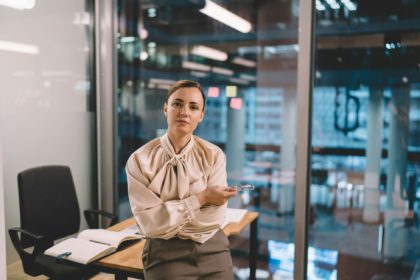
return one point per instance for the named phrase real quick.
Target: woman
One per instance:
(178, 193)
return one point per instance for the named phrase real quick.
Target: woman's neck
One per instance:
(178, 142)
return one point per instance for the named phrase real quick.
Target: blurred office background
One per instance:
(363, 205)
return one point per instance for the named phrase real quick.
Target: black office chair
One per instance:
(49, 210)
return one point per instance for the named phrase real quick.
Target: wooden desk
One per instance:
(126, 262)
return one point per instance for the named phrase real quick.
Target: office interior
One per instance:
(83, 83)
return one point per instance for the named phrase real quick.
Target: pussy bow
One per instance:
(174, 178)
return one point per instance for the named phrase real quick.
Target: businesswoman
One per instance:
(178, 193)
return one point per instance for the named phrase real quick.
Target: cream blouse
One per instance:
(162, 187)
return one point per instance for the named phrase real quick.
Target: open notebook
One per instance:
(233, 215)
(89, 245)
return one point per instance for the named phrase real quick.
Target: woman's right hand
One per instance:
(216, 195)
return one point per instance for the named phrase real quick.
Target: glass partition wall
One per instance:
(364, 164)
(244, 54)
(365, 140)
(47, 98)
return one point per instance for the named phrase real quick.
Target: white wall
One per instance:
(2, 225)
(44, 114)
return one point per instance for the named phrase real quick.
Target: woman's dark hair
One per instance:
(186, 84)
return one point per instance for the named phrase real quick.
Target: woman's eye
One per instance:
(176, 104)
(194, 108)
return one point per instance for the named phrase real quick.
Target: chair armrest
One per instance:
(39, 242)
(92, 217)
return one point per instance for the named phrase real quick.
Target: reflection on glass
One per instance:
(365, 137)
(249, 77)
(322, 263)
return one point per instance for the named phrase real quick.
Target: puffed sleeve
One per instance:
(212, 215)
(156, 219)
(217, 175)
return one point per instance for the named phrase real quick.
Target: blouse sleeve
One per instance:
(217, 175)
(156, 219)
(213, 214)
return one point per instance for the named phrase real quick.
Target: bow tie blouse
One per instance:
(162, 187)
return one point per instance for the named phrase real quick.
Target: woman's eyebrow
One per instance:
(191, 102)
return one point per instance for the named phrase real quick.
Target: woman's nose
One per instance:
(184, 110)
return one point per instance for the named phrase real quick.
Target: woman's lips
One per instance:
(182, 121)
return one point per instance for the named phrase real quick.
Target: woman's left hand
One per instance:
(216, 195)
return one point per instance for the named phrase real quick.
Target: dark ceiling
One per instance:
(346, 40)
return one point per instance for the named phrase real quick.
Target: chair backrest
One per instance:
(48, 202)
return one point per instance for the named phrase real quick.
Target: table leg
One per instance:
(120, 276)
(253, 250)
(257, 197)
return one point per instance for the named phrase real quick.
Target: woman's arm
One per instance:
(156, 219)
(216, 192)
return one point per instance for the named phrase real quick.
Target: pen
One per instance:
(63, 255)
(103, 243)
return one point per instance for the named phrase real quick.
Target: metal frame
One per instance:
(303, 153)
(106, 85)
(3, 257)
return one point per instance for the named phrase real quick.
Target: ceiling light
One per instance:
(18, 4)
(162, 81)
(18, 47)
(239, 81)
(198, 74)
(81, 18)
(209, 53)
(195, 66)
(222, 71)
(282, 49)
(57, 73)
(226, 17)
(127, 39)
(250, 49)
(144, 55)
(248, 77)
(165, 87)
(319, 6)
(244, 62)
(23, 74)
(151, 12)
(349, 5)
(333, 4)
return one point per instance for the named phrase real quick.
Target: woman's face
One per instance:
(184, 110)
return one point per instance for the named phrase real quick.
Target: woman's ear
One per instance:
(165, 109)
(202, 115)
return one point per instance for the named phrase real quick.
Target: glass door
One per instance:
(47, 99)
(365, 141)
(244, 54)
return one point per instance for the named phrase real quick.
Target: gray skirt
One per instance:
(188, 260)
